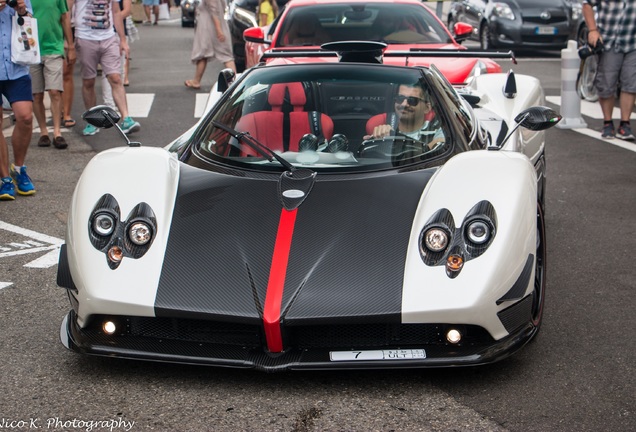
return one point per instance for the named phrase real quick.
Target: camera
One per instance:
(12, 3)
(586, 50)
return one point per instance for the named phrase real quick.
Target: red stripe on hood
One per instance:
(276, 282)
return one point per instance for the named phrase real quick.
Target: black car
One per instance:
(543, 24)
(188, 9)
(241, 16)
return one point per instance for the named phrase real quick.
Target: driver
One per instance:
(415, 118)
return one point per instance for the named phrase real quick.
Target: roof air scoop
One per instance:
(510, 88)
(357, 51)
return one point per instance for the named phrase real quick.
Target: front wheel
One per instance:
(485, 37)
(585, 81)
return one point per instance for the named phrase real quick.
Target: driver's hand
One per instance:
(379, 132)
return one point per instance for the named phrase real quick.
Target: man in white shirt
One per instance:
(97, 43)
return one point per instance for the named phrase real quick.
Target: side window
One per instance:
(454, 103)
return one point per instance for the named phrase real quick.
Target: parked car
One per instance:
(277, 235)
(528, 24)
(402, 24)
(241, 16)
(188, 12)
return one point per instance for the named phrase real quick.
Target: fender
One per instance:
(489, 88)
(508, 181)
(131, 175)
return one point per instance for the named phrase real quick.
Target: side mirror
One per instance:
(536, 118)
(462, 31)
(226, 78)
(104, 117)
(254, 34)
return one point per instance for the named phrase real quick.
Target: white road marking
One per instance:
(593, 110)
(139, 104)
(34, 245)
(5, 284)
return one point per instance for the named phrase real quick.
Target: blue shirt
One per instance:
(8, 69)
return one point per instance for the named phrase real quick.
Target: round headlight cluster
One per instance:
(139, 233)
(478, 232)
(104, 224)
(436, 239)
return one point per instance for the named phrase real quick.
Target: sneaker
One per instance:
(90, 130)
(129, 125)
(22, 181)
(625, 132)
(608, 131)
(7, 189)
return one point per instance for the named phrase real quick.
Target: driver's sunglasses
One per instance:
(411, 100)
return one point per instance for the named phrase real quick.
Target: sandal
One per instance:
(192, 85)
(67, 123)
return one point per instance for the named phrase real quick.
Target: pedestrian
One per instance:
(54, 28)
(211, 40)
(67, 75)
(15, 85)
(107, 91)
(151, 5)
(97, 43)
(267, 11)
(615, 28)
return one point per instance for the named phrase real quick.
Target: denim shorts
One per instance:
(17, 90)
(150, 2)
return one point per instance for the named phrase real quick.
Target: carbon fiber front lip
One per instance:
(239, 357)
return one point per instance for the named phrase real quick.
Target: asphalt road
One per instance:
(578, 375)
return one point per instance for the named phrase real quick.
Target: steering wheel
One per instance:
(395, 146)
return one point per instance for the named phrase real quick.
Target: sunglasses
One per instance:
(411, 100)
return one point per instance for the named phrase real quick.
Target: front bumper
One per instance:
(528, 35)
(240, 346)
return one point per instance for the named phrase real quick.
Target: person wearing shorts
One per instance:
(148, 6)
(96, 43)
(615, 28)
(15, 86)
(54, 26)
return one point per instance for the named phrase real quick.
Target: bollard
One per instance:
(570, 99)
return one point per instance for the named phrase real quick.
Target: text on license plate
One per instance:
(408, 354)
(545, 30)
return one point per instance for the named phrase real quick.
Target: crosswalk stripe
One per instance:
(589, 109)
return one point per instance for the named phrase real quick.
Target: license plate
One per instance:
(545, 30)
(414, 354)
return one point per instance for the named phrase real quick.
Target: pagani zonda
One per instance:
(274, 236)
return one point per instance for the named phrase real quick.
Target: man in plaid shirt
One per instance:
(615, 27)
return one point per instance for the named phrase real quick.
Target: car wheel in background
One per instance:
(484, 37)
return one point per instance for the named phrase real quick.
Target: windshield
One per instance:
(392, 23)
(329, 117)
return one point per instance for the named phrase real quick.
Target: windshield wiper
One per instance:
(252, 142)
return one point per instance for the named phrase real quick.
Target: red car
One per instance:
(401, 24)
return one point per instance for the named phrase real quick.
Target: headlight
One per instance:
(478, 232)
(577, 11)
(436, 239)
(502, 10)
(139, 233)
(103, 224)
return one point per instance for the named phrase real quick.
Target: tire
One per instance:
(484, 37)
(538, 295)
(585, 81)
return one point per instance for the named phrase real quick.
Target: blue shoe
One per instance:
(22, 181)
(129, 125)
(7, 189)
(90, 130)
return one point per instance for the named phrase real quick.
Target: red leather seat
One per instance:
(269, 127)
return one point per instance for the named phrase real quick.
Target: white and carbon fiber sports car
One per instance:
(279, 234)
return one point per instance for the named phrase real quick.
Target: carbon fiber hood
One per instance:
(346, 260)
